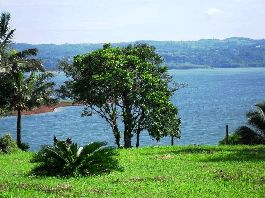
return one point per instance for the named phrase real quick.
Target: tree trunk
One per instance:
(226, 135)
(127, 119)
(18, 127)
(127, 136)
(172, 140)
(137, 139)
(117, 135)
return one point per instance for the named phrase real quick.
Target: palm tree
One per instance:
(20, 91)
(24, 85)
(254, 133)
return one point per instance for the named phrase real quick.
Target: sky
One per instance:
(99, 21)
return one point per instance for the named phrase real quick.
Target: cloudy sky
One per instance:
(93, 21)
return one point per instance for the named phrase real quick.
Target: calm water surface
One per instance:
(212, 99)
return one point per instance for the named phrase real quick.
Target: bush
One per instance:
(244, 135)
(232, 139)
(7, 144)
(24, 146)
(66, 159)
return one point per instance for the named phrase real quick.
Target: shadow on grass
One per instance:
(238, 155)
(221, 153)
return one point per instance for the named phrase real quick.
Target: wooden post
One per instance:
(226, 135)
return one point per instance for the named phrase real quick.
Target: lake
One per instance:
(212, 99)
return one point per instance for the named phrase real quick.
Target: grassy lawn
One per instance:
(181, 171)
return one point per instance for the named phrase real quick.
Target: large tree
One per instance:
(127, 83)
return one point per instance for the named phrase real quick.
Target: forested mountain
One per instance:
(231, 52)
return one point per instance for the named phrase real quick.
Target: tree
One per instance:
(255, 132)
(127, 83)
(24, 85)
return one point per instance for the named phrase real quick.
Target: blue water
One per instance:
(212, 99)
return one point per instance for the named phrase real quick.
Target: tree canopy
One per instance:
(128, 84)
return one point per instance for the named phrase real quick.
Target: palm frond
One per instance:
(90, 148)
(257, 118)
(6, 34)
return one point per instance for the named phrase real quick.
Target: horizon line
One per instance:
(135, 41)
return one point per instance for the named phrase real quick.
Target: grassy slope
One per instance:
(194, 171)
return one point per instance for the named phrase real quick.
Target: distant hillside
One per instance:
(231, 52)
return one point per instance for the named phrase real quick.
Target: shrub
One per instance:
(66, 159)
(255, 133)
(244, 135)
(232, 139)
(24, 146)
(7, 144)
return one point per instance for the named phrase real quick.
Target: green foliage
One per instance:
(20, 91)
(233, 139)
(255, 134)
(257, 119)
(6, 34)
(175, 171)
(129, 84)
(24, 146)
(24, 92)
(7, 144)
(66, 159)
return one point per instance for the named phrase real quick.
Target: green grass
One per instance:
(181, 171)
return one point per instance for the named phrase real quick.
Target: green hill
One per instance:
(178, 171)
(231, 52)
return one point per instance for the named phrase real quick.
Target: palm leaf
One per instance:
(257, 118)
(5, 33)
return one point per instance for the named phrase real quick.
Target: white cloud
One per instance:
(214, 11)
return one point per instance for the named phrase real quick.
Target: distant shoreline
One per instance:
(45, 108)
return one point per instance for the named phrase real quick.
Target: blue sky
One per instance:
(93, 21)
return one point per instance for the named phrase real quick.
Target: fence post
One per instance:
(226, 135)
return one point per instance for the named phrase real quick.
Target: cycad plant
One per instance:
(66, 159)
